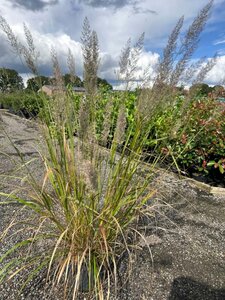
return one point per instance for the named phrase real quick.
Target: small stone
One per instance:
(150, 240)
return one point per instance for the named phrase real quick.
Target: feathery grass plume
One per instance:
(120, 125)
(28, 52)
(90, 50)
(83, 119)
(150, 99)
(173, 66)
(170, 71)
(56, 69)
(59, 98)
(192, 70)
(71, 65)
(190, 43)
(169, 55)
(107, 123)
(13, 40)
(205, 68)
(128, 61)
(95, 59)
(124, 57)
(152, 102)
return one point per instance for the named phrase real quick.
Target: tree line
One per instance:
(11, 81)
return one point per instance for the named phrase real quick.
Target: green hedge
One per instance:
(191, 133)
(23, 103)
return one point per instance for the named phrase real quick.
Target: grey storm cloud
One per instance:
(118, 4)
(107, 3)
(140, 10)
(33, 4)
(107, 61)
(8, 58)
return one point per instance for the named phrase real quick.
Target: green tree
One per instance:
(73, 80)
(10, 80)
(104, 84)
(200, 90)
(35, 83)
(218, 91)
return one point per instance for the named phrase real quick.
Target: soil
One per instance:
(185, 235)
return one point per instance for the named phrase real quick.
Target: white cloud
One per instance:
(43, 43)
(25, 77)
(113, 27)
(60, 26)
(61, 42)
(219, 42)
(147, 63)
(217, 74)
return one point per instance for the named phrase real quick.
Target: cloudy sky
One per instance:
(58, 24)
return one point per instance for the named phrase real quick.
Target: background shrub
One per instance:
(26, 104)
(193, 134)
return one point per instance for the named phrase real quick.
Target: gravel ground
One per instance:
(186, 235)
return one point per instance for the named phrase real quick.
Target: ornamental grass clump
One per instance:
(89, 197)
(87, 201)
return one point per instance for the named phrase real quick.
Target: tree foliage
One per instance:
(10, 80)
(199, 90)
(218, 91)
(73, 80)
(104, 84)
(35, 83)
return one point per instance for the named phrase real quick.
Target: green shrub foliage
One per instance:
(26, 104)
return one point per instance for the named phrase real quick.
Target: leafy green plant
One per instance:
(27, 104)
(220, 164)
(199, 143)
